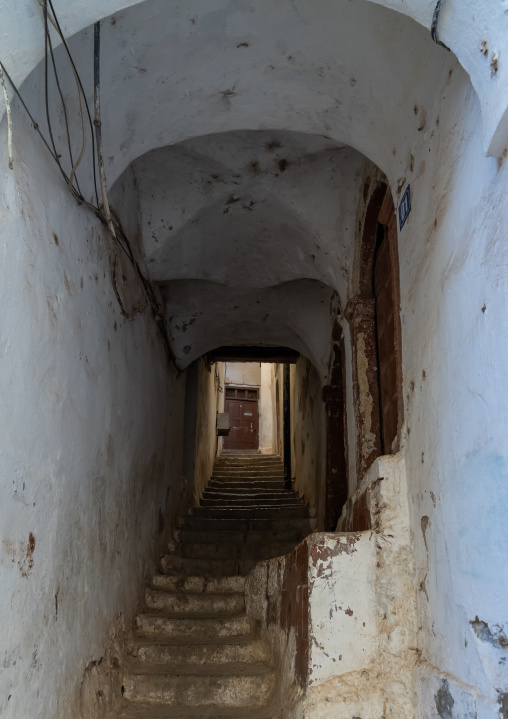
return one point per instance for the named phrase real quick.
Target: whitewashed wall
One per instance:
(246, 374)
(209, 401)
(308, 435)
(90, 450)
(453, 262)
(63, 390)
(267, 410)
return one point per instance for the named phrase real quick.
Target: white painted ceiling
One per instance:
(250, 129)
(251, 236)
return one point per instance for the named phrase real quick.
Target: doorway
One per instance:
(383, 282)
(242, 405)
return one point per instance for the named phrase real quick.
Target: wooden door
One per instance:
(385, 336)
(242, 405)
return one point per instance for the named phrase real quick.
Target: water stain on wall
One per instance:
(26, 562)
(444, 701)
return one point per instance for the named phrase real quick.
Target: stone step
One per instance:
(264, 512)
(194, 653)
(252, 466)
(195, 536)
(232, 524)
(194, 584)
(276, 466)
(198, 629)
(268, 484)
(187, 603)
(196, 550)
(271, 480)
(201, 690)
(257, 551)
(231, 501)
(172, 563)
(254, 458)
(253, 462)
(267, 469)
(254, 651)
(265, 473)
(145, 711)
(214, 492)
(246, 483)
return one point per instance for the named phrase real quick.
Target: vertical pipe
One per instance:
(287, 426)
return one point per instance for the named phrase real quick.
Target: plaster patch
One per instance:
(495, 636)
(366, 400)
(444, 701)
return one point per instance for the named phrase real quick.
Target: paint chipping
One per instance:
(503, 704)
(444, 701)
(495, 636)
(425, 522)
(26, 562)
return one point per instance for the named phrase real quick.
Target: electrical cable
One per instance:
(32, 119)
(9, 119)
(46, 94)
(105, 215)
(76, 74)
(435, 23)
(74, 165)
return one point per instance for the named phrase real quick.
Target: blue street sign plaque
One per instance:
(405, 207)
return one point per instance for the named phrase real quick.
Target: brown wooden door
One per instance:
(242, 405)
(385, 335)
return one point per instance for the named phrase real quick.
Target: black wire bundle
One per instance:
(72, 182)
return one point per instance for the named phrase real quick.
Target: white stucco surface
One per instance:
(454, 300)
(462, 27)
(91, 409)
(360, 658)
(90, 450)
(268, 441)
(308, 431)
(244, 374)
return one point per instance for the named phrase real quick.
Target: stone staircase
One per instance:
(194, 653)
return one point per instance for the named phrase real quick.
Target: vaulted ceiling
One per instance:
(250, 234)
(250, 130)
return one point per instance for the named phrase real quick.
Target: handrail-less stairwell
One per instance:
(194, 652)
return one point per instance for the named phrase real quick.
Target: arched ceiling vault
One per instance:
(476, 32)
(251, 235)
(250, 129)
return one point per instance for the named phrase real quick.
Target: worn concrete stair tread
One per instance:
(244, 525)
(210, 584)
(172, 642)
(253, 473)
(229, 670)
(242, 550)
(179, 603)
(241, 486)
(191, 627)
(199, 689)
(225, 500)
(258, 512)
(249, 492)
(147, 711)
(193, 652)
(247, 486)
(249, 468)
(195, 536)
(247, 557)
(223, 651)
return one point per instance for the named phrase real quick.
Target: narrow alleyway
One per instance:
(194, 652)
(316, 185)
